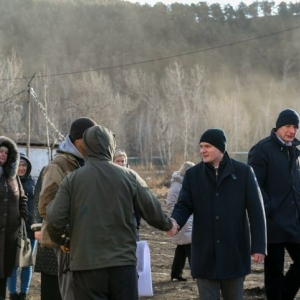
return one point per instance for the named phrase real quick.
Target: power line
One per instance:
(165, 57)
(6, 100)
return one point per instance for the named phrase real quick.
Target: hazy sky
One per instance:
(234, 3)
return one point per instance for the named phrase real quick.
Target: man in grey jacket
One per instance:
(97, 201)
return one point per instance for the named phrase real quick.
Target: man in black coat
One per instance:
(275, 161)
(225, 199)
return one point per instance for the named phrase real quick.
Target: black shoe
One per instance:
(14, 296)
(179, 278)
(23, 296)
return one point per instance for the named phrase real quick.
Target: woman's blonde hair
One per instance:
(119, 152)
(185, 166)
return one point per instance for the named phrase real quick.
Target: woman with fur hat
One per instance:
(13, 207)
(28, 184)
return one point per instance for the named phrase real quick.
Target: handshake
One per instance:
(174, 230)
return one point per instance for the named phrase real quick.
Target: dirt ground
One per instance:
(162, 251)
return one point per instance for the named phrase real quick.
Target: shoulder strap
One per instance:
(37, 218)
(23, 230)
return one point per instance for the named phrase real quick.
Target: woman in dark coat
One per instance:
(28, 183)
(13, 207)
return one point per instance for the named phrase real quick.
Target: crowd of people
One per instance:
(83, 214)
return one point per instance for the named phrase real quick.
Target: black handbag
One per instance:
(24, 253)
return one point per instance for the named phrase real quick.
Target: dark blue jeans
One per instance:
(280, 286)
(25, 276)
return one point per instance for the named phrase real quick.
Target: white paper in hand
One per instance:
(144, 269)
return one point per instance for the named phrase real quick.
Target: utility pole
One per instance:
(28, 116)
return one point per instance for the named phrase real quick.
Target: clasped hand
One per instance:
(174, 230)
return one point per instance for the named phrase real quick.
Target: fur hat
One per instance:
(10, 167)
(288, 117)
(215, 137)
(79, 126)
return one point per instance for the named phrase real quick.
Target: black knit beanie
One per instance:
(79, 126)
(287, 117)
(215, 137)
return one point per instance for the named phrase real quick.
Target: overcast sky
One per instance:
(234, 3)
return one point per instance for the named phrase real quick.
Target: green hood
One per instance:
(99, 142)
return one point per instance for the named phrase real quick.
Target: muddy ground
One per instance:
(162, 251)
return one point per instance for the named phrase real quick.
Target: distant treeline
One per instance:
(66, 36)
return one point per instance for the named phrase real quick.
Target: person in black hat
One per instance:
(69, 157)
(224, 197)
(275, 160)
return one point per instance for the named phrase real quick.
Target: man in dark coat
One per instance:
(275, 161)
(225, 199)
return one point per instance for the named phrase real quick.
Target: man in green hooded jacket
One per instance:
(97, 201)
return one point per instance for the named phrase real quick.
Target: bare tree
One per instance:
(142, 88)
(184, 93)
(12, 94)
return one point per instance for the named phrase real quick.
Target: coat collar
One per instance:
(226, 168)
(274, 137)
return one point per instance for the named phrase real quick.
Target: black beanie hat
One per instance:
(79, 126)
(215, 137)
(287, 117)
